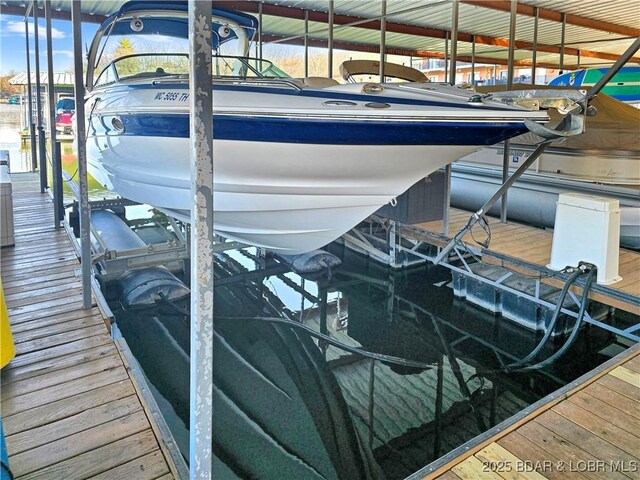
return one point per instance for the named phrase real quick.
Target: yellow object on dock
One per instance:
(7, 349)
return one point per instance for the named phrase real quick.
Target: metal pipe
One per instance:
(473, 61)
(32, 127)
(446, 54)
(562, 38)
(454, 41)
(491, 202)
(383, 38)
(447, 199)
(57, 168)
(202, 238)
(260, 30)
(505, 155)
(512, 43)
(306, 43)
(83, 183)
(534, 57)
(330, 41)
(42, 147)
(57, 164)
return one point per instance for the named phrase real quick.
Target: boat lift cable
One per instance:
(574, 332)
(552, 324)
(550, 136)
(331, 341)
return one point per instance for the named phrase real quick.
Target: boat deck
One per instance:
(70, 408)
(589, 432)
(528, 250)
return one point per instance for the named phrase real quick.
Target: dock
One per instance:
(71, 407)
(526, 249)
(589, 430)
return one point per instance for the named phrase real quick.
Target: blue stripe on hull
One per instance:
(320, 132)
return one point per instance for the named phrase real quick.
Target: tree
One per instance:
(123, 48)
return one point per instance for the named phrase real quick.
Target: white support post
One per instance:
(202, 237)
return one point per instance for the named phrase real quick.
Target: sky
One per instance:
(13, 45)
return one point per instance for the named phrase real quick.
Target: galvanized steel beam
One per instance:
(32, 127)
(454, 41)
(330, 41)
(306, 43)
(202, 237)
(42, 148)
(55, 157)
(534, 57)
(83, 182)
(383, 38)
(507, 143)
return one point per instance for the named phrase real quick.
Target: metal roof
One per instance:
(61, 79)
(586, 30)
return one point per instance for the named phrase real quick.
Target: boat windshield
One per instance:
(152, 65)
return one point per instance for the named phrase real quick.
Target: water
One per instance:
(20, 157)
(287, 405)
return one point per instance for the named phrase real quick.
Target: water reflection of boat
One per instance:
(300, 403)
(278, 411)
(296, 166)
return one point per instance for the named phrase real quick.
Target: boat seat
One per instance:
(318, 82)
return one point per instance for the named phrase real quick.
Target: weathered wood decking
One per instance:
(515, 245)
(69, 406)
(591, 433)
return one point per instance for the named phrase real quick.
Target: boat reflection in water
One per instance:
(289, 405)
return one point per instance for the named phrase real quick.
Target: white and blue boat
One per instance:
(296, 166)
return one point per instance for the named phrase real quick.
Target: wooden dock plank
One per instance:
(57, 410)
(148, 467)
(92, 417)
(533, 245)
(627, 375)
(76, 444)
(600, 428)
(588, 431)
(613, 398)
(472, 469)
(70, 409)
(496, 454)
(606, 412)
(100, 460)
(57, 363)
(59, 351)
(537, 456)
(33, 384)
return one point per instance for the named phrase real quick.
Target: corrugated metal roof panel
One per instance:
(473, 19)
(59, 78)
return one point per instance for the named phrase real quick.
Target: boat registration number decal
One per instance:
(172, 96)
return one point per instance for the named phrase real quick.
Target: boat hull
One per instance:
(286, 197)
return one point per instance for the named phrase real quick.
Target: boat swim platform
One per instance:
(527, 250)
(587, 430)
(72, 406)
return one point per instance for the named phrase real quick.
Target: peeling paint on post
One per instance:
(81, 137)
(201, 124)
